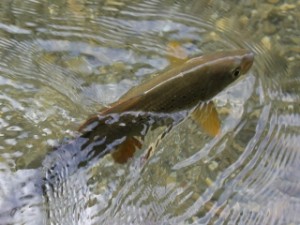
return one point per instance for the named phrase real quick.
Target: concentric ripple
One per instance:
(61, 61)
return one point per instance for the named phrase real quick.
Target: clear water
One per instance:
(61, 61)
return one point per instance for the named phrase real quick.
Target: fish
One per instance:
(184, 89)
(189, 86)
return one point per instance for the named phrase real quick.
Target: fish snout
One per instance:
(247, 62)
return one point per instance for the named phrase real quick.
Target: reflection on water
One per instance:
(70, 163)
(64, 60)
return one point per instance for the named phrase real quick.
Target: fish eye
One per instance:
(236, 72)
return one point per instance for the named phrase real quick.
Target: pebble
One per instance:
(213, 165)
(244, 21)
(266, 42)
(285, 7)
(269, 28)
(273, 1)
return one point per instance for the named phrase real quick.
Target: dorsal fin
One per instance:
(176, 53)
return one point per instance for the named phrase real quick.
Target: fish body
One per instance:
(180, 88)
(119, 128)
(183, 87)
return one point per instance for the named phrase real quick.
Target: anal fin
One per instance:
(126, 150)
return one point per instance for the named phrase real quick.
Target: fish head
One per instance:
(231, 65)
(242, 61)
(224, 68)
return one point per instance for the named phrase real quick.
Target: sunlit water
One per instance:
(61, 61)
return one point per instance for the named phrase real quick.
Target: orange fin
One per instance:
(176, 53)
(126, 150)
(207, 117)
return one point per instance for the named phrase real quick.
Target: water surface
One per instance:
(61, 61)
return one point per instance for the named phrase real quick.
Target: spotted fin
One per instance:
(126, 150)
(207, 117)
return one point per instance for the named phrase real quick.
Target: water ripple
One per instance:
(63, 60)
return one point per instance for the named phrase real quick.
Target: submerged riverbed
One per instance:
(62, 61)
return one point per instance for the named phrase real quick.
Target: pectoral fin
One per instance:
(126, 150)
(207, 117)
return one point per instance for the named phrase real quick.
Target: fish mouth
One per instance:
(247, 62)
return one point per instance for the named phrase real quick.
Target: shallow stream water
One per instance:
(61, 61)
